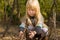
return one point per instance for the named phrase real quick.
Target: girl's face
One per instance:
(31, 12)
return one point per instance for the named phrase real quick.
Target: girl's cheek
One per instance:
(33, 12)
(28, 12)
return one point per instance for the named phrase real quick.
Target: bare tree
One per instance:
(17, 4)
(4, 11)
(53, 11)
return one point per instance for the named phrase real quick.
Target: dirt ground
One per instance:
(13, 33)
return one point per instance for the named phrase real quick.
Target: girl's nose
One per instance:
(30, 11)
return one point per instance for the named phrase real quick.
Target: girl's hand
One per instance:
(32, 34)
(21, 33)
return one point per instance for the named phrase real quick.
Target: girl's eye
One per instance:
(32, 9)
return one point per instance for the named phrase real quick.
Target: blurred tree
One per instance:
(15, 8)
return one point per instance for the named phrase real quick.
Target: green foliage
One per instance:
(15, 19)
(22, 7)
(8, 10)
(45, 7)
(1, 15)
(45, 14)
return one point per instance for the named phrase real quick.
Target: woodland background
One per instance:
(11, 12)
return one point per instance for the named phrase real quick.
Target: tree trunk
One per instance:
(13, 6)
(17, 4)
(4, 11)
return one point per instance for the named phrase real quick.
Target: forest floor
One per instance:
(13, 32)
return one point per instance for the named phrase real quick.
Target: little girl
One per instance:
(34, 21)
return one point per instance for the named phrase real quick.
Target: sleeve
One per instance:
(22, 26)
(38, 28)
(39, 25)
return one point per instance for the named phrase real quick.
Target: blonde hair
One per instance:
(34, 4)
